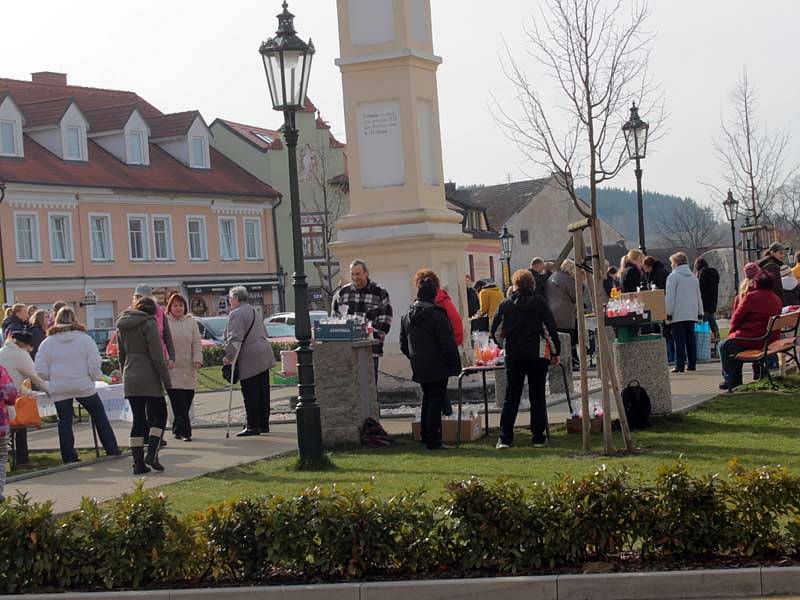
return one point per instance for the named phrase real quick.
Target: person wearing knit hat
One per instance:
(772, 263)
(426, 338)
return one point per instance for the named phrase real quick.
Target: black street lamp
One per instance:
(287, 64)
(635, 131)
(2, 259)
(731, 206)
(505, 240)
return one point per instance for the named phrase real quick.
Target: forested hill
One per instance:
(618, 207)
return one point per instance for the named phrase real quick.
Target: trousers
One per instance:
(685, 345)
(433, 399)
(143, 406)
(517, 369)
(66, 438)
(181, 401)
(4, 441)
(255, 391)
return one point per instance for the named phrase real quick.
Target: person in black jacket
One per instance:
(525, 320)
(772, 263)
(16, 319)
(473, 304)
(709, 292)
(426, 338)
(632, 277)
(655, 273)
(610, 282)
(540, 274)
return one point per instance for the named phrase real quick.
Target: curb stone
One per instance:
(663, 585)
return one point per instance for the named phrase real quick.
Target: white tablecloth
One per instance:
(117, 407)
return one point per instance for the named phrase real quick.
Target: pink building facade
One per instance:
(127, 195)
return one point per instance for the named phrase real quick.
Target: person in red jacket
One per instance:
(751, 315)
(444, 301)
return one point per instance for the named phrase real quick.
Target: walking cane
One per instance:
(230, 394)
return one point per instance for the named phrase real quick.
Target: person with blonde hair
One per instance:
(632, 271)
(16, 320)
(69, 361)
(684, 309)
(526, 321)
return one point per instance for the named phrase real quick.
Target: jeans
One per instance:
(685, 348)
(149, 418)
(21, 445)
(433, 397)
(181, 401)
(517, 369)
(255, 391)
(731, 368)
(66, 439)
(711, 319)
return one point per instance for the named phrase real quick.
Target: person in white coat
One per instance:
(15, 357)
(188, 359)
(684, 309)
(68, 359)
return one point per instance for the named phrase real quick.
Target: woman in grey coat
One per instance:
(684, 309)
(144, 375)
(560, 294)
(246, 334)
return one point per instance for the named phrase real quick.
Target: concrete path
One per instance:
(210, 451)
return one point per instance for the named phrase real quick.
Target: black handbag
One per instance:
(226, 369)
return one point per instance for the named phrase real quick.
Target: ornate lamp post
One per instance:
(731, 206)
(505, 240)
(2, 260)
(635, 131)
(287, 64)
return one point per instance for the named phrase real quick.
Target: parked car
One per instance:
(288, 317)
(212, 329)
(280, 333)
(101, 337)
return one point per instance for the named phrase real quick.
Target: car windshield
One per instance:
(216, 325)
(279, 330)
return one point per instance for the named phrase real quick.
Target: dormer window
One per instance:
(8, 138)
(73, 143)
(198, 153)
(136, 148)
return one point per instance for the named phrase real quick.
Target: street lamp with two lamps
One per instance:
(731, 206)
(635, 131)
(506, 240)
(287, 64)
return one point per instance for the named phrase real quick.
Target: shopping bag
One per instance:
(27, 413)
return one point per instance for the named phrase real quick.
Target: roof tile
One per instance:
(172, 125)
(109, 118)
(45, 112)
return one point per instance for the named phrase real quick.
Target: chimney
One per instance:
(49, 78)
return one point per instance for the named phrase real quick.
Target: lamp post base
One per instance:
(309, 438)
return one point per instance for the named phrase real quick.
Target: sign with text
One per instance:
(380, 141)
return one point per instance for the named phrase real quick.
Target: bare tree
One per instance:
(329, 201)
(786, 210)
(690, 226)
(752, 158)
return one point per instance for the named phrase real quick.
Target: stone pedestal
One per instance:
(345, 383)
(646, 361)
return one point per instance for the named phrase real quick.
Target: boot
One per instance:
(139, 468)
(153, 445)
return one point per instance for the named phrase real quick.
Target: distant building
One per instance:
(105, 191)
(321, 164)
(482, 260)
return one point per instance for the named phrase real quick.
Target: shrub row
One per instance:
(335, 535)
(212, 355)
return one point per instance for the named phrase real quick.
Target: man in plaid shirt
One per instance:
(366, 299)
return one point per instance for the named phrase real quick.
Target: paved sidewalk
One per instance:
(210, 451)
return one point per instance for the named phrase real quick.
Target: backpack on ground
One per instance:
(637, 405)
(373, 435)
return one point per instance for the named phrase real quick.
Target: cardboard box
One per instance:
(575, 425)
(654, 302)
(471, 429)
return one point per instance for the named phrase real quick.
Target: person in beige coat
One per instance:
(188, 359)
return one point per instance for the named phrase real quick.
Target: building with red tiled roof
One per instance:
(322, 167)
(104, 191)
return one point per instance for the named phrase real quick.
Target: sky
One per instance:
(203, 55)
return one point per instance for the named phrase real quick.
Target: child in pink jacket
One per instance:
(8, 397)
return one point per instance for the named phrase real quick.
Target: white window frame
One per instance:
(203, 151)
(70, 249)
(110, 237)
(236, 254)
(35, 238)
(203, 238)
(131, 159)
(14, 141)
(67, 131)
(145, 238)
(259, 245)
(170, 246)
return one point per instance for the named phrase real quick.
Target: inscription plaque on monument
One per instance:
(380, 141)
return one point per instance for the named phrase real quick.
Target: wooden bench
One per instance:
(785, 346)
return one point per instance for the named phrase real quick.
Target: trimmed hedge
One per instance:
(337, 535)
(213, 355)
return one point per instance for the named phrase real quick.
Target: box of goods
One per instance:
(575, 425)
(340, 332)
(471, 429)
(654, 303)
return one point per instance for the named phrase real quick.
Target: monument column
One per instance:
(398, 220)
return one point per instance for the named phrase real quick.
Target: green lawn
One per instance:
(210, 379)
(46, 460)
(756, 428)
